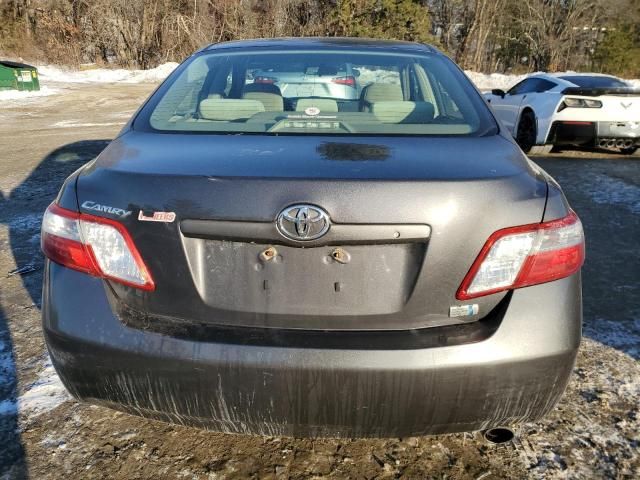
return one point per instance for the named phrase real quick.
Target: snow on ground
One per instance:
(611, 191)
(43, 395)
(622, 336)
(50, 73)
(7, 376)
(368, 76)
(6, 95)
(79, 124)
(635, 83)
(487, 81)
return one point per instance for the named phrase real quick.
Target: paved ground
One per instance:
(593, 433)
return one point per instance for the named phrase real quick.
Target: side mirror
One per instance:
(356, 72)
(498, 92)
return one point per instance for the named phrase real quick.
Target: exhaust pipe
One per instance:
(603, 143)
(628, 143)
(620, 143)
(498, 435)
(611, 143)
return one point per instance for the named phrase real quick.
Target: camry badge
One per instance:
(625, 105)
(303, 222)
(96, 207)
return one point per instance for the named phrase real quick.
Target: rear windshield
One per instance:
(311, 92)
(585, 81)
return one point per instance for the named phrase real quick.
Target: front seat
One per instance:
(379, 92)
(267, 93)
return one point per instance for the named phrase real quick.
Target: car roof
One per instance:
(321, 43)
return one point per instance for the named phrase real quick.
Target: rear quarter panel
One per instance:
(544, 106)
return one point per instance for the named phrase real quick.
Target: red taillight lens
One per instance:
(526, 255)
(68, 253)
(349, 81)
(93, 245)
(262, 79)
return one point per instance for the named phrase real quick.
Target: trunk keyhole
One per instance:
(341, 256)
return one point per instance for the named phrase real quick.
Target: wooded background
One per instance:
(482, 35)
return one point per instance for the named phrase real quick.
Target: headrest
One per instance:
(229, 109)
(262, 87)
(403, 112)
(325, 105)
(271, 101)
(382, 92)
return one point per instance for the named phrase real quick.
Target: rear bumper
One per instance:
(516, 375)
(595, 134)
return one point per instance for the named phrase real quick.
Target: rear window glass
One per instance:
(586, 81)
(311, 92)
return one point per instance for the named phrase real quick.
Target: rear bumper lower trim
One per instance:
(592, 134)
(299, 401)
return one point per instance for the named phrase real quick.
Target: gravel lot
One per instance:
(593, 433)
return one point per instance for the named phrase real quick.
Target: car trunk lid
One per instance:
(408, 215)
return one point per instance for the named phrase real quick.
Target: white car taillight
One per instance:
(93, 245)
(526, 255)
(569, 102)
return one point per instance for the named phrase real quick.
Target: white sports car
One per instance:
(570, 110)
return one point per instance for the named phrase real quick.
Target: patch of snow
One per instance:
(378, 75)
(6, 368)
(16, 95)
(8, 407)
(621, 335)
(50, 441)
(55, 74)
(488, 81)
(611, 191)
(43, 395)
(29, 222)
(78, 123)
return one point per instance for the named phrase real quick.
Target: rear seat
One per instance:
(379, 92)
(269, 95)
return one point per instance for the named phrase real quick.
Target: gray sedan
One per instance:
(389, 264)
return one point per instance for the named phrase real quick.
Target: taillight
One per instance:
(349, 81)
(94, 245)
(526, 255)
(263, 79)
(569, 102)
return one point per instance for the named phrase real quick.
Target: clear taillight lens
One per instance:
(526, 255)
(93, 245)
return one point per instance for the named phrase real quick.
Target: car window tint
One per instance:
(319, 92)
(543, 85)
(528, 85)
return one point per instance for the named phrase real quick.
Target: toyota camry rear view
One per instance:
(385, 262)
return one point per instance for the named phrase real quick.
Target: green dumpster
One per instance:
(18, 76)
